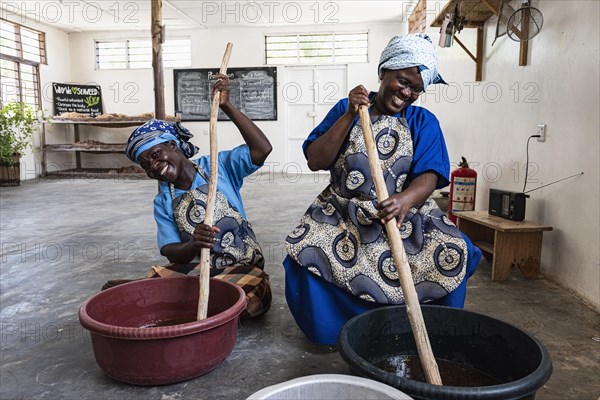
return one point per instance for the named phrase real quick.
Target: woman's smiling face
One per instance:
(162, 162)
(398, 89)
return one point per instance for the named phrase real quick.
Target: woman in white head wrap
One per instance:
(339, 261)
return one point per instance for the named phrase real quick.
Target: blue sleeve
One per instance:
(165, 220)
(430, 152)
(332, 116)
(237, 164)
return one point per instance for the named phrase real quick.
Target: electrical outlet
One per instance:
(541, 130)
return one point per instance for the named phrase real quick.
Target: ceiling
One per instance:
(103, 15)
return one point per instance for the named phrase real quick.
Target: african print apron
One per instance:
(341, 239)
(236, 255)
(235, 244)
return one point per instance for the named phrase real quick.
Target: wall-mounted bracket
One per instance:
(476, 12)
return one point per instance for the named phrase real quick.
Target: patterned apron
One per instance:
(235, 244)
(236, 255)
(341, 239)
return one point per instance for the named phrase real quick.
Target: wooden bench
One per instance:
(510, 243)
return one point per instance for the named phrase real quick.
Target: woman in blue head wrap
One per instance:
(163, 150)
(339, 262)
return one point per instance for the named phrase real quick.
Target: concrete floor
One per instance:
(61, 240)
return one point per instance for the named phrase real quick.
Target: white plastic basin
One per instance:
(329, 386)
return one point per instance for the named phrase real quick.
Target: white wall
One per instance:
(57, 70)
(490, 127)
(207, 51)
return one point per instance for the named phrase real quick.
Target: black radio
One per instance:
(509, 205)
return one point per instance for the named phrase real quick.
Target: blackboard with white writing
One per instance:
(253, 91)
(82, 99)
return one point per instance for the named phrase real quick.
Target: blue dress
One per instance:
(339, 261)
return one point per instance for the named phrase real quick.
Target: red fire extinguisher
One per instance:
(463, 183)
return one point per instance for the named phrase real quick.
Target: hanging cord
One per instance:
(527, 162)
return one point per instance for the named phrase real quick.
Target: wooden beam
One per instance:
(478, 58)
(157, 64)
(76, 139)
(523, 53)
(479, 61)
(465, 48)
(472, 24)
(525, 33)
(491, 6)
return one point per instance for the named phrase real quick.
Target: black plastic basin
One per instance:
(509, 355)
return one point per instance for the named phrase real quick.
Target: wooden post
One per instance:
(76, 139)
(43, 150)
(478, 57)
(479, 61)
(413, 308)
(524, 45)
(157, 64)
(204, 278)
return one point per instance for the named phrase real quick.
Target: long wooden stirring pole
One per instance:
(411, 300)
(212, 192)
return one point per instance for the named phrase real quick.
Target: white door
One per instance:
(308, 93)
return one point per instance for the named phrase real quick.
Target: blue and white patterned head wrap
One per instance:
(156, 132)
(412, 51)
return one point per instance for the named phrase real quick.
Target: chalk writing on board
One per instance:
(252, 91)
(82, 99)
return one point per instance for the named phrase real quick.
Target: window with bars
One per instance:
(137, 53)
(325, 48)
(22, 50)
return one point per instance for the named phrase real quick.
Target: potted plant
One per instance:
(17, 123)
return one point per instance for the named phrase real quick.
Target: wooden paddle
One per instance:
(212, 192)
(399, 255)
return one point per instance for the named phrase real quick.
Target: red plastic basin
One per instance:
(161, 355)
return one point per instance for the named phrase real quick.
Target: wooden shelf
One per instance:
(483, 218)
(96, 173)
(79, 146)
(95, 148)
(100, 123)
(509, 243)
(476, 11)
(485, 246)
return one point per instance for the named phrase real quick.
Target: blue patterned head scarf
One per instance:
(156, 132)
(412, 51)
